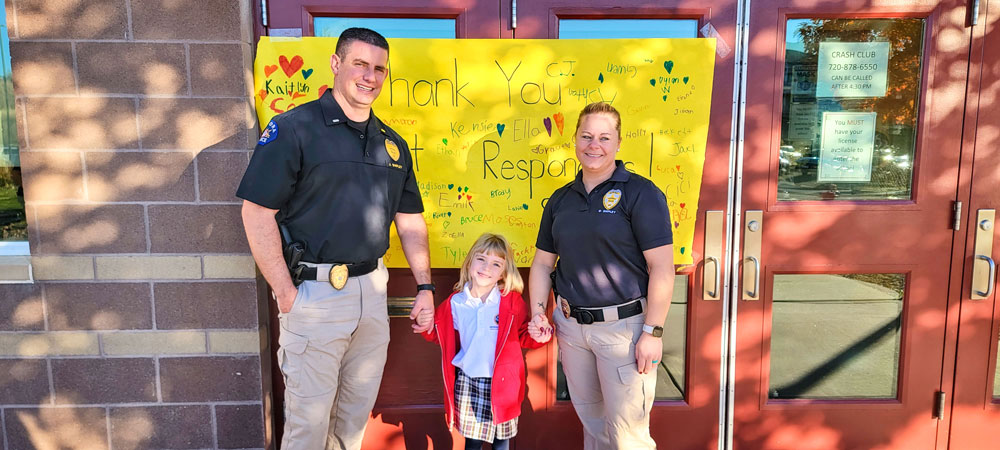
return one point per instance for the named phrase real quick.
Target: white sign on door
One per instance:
(847, 146)
(803, 119)
(852, 69)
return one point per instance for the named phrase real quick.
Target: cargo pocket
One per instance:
(291, 348)
(637, 389)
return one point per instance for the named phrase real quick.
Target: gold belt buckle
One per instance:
(338, 276)
(564, 305)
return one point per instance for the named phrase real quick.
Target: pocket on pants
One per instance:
(639, 390)
(291, 347)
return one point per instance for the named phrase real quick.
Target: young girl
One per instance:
(481, 329)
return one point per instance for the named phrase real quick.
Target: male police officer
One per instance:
(336, 177)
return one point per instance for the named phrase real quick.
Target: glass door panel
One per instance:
(627, 28)
(836, 336)
(849, 108)
(388, 27)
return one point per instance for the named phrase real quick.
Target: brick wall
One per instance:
(141, 328)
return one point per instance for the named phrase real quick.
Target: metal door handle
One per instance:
(756, 275)
(992, 277)
(753, 231)
(983, 247)
(714, 237)
(715, 291)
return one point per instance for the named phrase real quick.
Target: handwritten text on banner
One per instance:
(490, 123)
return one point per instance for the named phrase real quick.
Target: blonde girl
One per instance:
(481, 329)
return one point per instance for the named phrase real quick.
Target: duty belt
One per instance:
(588, 316)
(336, 274)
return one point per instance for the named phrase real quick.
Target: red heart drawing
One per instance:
(290, 67)
(268, 70)
(262, 93)
(682, 205)
(678, 168)
(468, 197)
(322, 89)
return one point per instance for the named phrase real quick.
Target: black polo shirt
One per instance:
(600, 237)
(337, 186)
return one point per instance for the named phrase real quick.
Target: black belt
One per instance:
(353, 270)
(588, 316)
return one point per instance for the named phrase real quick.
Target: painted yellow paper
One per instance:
(490, 123)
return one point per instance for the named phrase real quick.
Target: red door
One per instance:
(687, 411)
(408, 412)
(850, 171)
(975, 409)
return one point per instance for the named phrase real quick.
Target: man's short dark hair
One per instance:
(365, 35)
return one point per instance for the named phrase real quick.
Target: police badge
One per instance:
(564, 305)
(611, 198)
(392, 149)
(338, 276)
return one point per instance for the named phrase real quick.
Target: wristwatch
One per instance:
(655, 331)
(425, 287)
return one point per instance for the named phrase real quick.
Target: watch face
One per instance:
(657, 331)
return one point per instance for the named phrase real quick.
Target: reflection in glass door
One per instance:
(850, 168)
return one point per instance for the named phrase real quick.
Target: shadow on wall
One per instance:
(126, 148)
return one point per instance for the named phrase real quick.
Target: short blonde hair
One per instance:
(601, 108)
(495, 245)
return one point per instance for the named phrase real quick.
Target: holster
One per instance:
(555, 293)
(292, 251)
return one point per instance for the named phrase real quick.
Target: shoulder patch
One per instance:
(270, 132)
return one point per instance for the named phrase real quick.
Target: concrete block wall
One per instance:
(141, 329)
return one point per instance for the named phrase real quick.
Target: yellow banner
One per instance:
(490, 123)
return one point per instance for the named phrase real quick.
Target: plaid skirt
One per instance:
(472, 407)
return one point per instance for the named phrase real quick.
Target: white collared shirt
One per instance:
(478, 324)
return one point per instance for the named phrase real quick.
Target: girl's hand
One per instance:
(424, 318)
(539, 328)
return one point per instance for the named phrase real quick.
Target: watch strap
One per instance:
(425, 287)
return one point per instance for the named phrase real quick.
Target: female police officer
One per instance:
(610, 230)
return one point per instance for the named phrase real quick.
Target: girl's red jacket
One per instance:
(508, 366)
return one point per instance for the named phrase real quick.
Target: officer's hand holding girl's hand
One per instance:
(539, 328)
(423, 302)
(648, 351)
(425, 317)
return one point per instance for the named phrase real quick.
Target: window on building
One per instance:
(388, 27)
(13, 227)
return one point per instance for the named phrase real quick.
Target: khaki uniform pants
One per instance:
(609, 394)
(332, 353)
